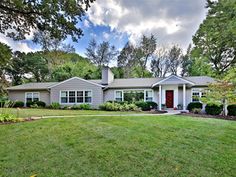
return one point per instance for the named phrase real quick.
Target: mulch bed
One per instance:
(210, 116)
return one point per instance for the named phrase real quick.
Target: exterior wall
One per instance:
(110, 93)
(77, 84)
(18, 95)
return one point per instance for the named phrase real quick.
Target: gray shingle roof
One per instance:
(119, 83)
(33, 86)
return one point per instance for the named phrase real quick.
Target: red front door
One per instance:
(169, 98)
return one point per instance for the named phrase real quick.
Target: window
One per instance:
(80, 96)
(76, 97)
(134, 95)
(118, 96)
(32, 96)
(88, 96)
(71, 96)
(148, 95)
(197, 94)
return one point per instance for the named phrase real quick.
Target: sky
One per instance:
(119, 21)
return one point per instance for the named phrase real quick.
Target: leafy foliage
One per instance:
(115, 106)
(213, 109)
(232, 110)
(194, 105)
(57, 18)
(18, 104)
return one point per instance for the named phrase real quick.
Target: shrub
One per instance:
(193, 105)
(114, 106)
(75, 107)
(196, 110)
(40, 103)
(34, 105)
(18, 104)
(232, 110)
(152, 104)
(55, 105)
(85, 106)
(29, 103)
(143, 105)
(213, 109)
(6, 117)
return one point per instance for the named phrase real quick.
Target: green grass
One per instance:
(119, 146)
(29, 112)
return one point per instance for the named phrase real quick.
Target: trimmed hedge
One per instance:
(213, 109)
(41, 103)
(108, 106)
(18, 104)
(232, 110)
(194, 105)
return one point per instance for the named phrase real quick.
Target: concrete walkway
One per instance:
(109, 115)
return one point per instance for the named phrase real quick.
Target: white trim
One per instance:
(144, 93)
(32, 95)
(84, 90)
(200, 93)
(122, 94)
(153, 85)
(78, 79)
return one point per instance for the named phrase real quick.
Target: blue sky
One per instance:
(119, 21)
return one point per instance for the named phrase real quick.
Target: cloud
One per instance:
(86, 23)
(106, 36)
(17, 45)
(172, 21)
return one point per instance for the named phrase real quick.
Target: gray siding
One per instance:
(77, 84)
(18, 95)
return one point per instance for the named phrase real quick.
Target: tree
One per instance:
(16, 68)
(57, 18)
(5, 56)
(215, 39)
(126, 60)
(175, 59)
(100, 54)
(144, 52)
(160, 62)
(36, 65)
(186, 62)
(220, 93)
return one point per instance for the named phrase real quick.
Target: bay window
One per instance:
(76, 97)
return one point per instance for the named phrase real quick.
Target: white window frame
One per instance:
(199, 90)
(75, 97)
(144, 92)
(32, 98)
(145, 98)
(122, 95)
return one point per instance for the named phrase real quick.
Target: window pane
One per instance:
(134, 95)
(195, 96)
(80, 100)
(148, 93)
(64, 94)
(118, 99)
(71, 93)
(118, 94)
(29, 95)
(71, 99)
(35, 95)
(28, 99)
(88, 99)
(88, 93)
(79, 93)
(64, 100)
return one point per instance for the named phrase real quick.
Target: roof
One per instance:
(118, 83)
(33, 86)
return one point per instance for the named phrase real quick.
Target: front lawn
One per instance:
(119, 146)
(29, 112)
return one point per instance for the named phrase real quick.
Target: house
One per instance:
(173, 91)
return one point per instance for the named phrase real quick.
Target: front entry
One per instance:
(169, 98)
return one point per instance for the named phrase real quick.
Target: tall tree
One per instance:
(186, 62)
(126, 60)
(58, 18)
(160, 62)
(100, 54)
(5, 56)
(215, 39)
(145, 51)
(175, 59)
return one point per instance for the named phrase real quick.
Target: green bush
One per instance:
(232, 110)
(193, 105)
(152, 104)
(29, 103)
(41, 104)
(143, 105)
(18, 104)
(196, 110)
(85, 106)
(55, 105)
(75, 107)
(6, 117)
(213, 109)
(114, 106)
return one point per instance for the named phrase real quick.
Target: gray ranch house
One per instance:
(171, 92)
